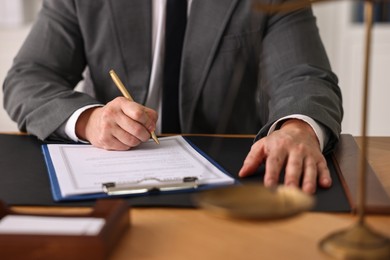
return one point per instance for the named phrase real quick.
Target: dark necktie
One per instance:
(176, 19)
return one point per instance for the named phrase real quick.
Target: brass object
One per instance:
(360, 242)
(288, 6)
(254, 201)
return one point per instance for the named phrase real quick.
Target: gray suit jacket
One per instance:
(241, 69)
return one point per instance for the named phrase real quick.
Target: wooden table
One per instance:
(158, 233)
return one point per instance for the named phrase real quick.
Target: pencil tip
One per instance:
(155, 138)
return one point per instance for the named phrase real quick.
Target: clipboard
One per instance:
(140, 187)
(22, 246)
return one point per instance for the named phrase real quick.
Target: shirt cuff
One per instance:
(318, 129)
(70, 124)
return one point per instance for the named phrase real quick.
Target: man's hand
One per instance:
(294, 147)
(119, 125)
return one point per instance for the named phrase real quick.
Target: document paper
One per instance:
(82, 169)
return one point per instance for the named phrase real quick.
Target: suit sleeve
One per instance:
(296, 75)
(39, 88)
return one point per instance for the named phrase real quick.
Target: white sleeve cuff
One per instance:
(70, 125)
(318, 129)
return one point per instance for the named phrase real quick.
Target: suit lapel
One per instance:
(205, 28)
(132, 24)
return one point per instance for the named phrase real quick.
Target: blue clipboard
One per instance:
(110, 189)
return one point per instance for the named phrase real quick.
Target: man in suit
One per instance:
(241, 72)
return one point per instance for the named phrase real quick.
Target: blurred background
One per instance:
(342, 31)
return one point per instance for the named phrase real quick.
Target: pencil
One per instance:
(127, 95)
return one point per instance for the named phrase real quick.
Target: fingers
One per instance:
(308, 171)
(315, 172)
(119, 125)
(273, 167)
(253, 160)
(141, 118)
(260, 151)
(293, 171)
(295, 152)
(115, 138)
(137, 124)
(324, 178)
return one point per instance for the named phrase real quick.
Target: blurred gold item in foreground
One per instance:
(254, 201)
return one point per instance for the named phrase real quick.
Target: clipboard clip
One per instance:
(150, 185)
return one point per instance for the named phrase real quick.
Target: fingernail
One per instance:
(309, 188)
(150, 128)
(269, 183)
(241, 173)
(291, 184)
(326, 182)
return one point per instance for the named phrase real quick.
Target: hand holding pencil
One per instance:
(127, 95)
(117, 125)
